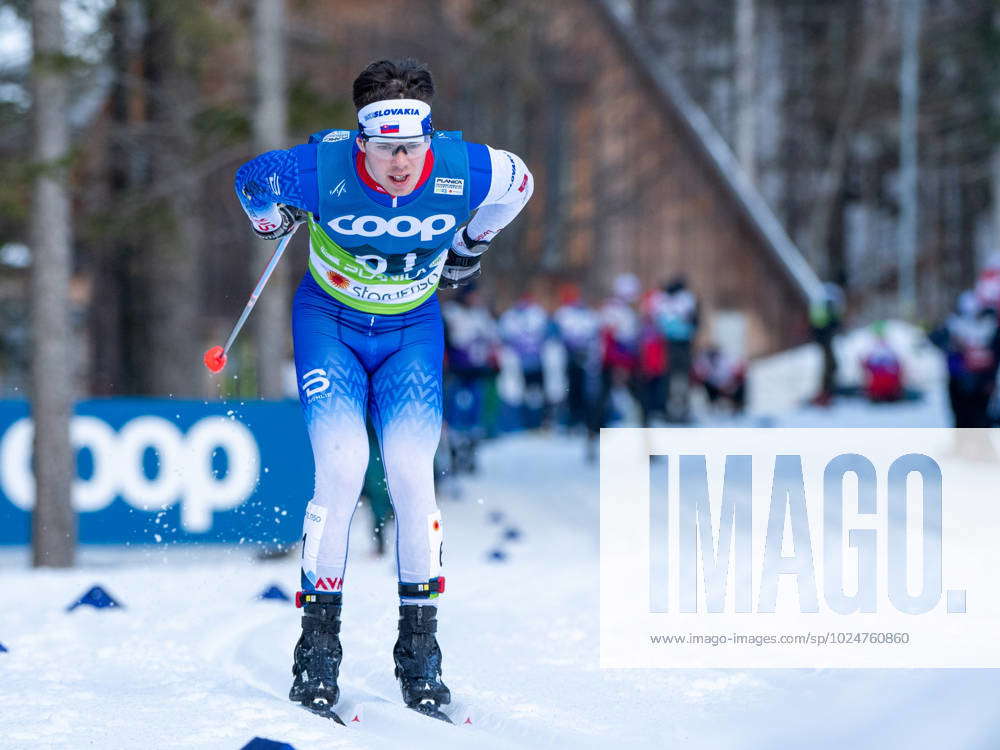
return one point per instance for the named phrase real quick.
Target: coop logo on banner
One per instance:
(184, 472)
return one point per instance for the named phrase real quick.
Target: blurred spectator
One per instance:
(619, 353)
(987, 289)
(824, 318)
(578, 329)
(524, 328)
(970, 340)
(677, 317)
(882, 369)
(723, 377)
(653, 360)
(471, 343)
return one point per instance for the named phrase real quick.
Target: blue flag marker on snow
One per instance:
(512, 534)
(3, 649)
(259, 743)
(497, 555)
(97, 597)
(274, 592)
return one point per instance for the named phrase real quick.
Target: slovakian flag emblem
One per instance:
(388, 129)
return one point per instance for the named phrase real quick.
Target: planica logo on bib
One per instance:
(398, 226)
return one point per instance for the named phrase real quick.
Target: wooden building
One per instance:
(662, 194)
(630, 174)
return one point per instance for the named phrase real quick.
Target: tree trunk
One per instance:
(831, 180)
(168, 346)
(995, 187)
(995, 160)
(272, 323)
(746, 99)
(909, 92)
(53, 521)
(109, 321)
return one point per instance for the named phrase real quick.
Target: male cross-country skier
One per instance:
(385, 206)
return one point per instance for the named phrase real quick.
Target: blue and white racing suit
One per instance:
(367, 328)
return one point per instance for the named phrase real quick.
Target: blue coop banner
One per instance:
(160, 470)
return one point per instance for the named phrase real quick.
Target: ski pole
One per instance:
(215, 358)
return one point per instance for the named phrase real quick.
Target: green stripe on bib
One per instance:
(351, 281)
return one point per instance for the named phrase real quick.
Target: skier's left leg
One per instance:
(406, 408)
(406, 402)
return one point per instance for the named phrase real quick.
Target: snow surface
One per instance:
(194, 661)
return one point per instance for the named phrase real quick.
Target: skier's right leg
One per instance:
(316, 662)
(333, 390)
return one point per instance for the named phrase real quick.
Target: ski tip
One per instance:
(325, 711)
(433, 712)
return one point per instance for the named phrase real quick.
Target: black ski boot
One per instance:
(318, 654)
(418, 661)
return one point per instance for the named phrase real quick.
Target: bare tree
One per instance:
(53, 522)
(830, 179)
(746, 64)
(271, 132)
(167, 260)
(995, 161)
(909, 92)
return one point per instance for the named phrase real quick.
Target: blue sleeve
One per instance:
(308, 176)
(480, 174)
(287, 176)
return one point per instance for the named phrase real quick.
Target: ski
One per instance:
(430, 709)
(321, 708)
(352, 712)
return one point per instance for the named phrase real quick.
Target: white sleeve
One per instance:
(510, 188)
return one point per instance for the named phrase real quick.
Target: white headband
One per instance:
(395, 118)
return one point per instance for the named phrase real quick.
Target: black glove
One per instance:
(461, 268)
(290, 216)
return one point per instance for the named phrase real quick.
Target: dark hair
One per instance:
(676, 284)
(393, 79)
